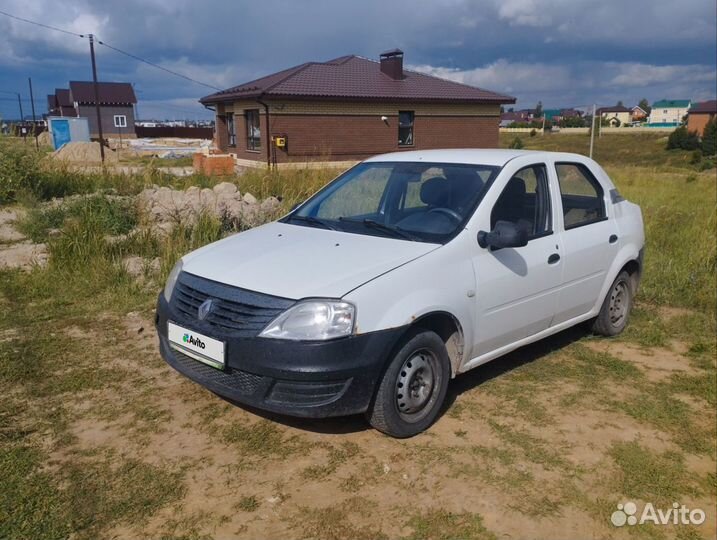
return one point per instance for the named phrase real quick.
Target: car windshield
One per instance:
(426, 202)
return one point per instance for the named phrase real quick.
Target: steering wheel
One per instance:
(448, 212)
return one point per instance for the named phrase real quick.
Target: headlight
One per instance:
(172, 280)
(313, 320)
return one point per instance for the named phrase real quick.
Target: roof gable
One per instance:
(355, 77)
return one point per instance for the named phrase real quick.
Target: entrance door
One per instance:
(60, 132)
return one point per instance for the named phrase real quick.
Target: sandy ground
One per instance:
(16, 251)
(337, 478)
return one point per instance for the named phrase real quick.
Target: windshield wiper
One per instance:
(313, 221)
(396, 232)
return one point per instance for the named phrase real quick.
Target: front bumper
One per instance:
(305, 379)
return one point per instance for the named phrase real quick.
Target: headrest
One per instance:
(435, 191)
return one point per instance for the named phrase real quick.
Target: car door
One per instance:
(516, 292)
(590, 239)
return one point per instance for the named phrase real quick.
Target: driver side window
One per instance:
(525, 201)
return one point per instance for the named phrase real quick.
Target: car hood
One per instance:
(294, 261)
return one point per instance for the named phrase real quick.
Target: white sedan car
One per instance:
(405, 271)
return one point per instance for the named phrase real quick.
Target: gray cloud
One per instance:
(560, 51)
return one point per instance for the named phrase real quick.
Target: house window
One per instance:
(120, 121)
(253, 131)
(231, 130)
(405, 128)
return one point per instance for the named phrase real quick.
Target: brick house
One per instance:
(699, 114)
(350, 108)
(117, 101)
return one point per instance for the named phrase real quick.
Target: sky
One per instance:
(563, 53)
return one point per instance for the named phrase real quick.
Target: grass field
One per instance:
(100, 439)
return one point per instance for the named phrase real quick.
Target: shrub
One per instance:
(516, 143)
(533, 132)
(696, 157)
(709, 138)
(683, 139)
(706, 165)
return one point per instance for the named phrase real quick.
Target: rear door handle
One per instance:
(553, 258)
(613, 238)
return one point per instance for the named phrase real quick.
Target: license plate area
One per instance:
(202, 348)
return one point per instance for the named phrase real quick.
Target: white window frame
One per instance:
(120, 120)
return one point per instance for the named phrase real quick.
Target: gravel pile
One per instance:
(84, 152)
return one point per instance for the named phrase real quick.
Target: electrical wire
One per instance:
(156, 65)
(130, 55)
(41, 24)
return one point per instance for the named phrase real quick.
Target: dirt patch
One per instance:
(23, 255)
(84, 152)
(8, 233)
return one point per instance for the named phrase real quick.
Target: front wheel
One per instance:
(413, 388)
(616, 307)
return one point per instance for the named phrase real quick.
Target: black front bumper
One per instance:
(306, 379)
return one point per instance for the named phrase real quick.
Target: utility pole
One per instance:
(592, 132)
(32, 103)
(97, 96)
(19, 102)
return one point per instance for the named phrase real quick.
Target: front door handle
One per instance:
(553, 258)
(613, 238)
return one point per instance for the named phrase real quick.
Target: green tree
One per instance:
(645, 105)
(539, 109)
(683, 139)
(709, 138)
(620, 104)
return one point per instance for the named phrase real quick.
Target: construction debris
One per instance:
(166, 206)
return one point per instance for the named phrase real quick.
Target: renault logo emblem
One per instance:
(204, 309)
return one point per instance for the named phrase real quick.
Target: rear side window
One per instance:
(581, 194)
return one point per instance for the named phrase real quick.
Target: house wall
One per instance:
(698, 121)
(671, 114)
(107, 114)
(330, 131)
(624, 117)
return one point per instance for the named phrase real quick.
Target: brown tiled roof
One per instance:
(63, 97)
(704, 107)
(110, 93)
(354, 77)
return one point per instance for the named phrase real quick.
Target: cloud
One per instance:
(554, 50)
(583, 83)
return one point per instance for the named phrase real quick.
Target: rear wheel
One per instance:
(413, 388)
(616, 307)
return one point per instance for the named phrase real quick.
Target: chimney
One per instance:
(392, 64)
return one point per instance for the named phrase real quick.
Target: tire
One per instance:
(421, 365)
(615, 311)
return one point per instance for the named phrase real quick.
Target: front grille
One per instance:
(234, 379)
(237, 311)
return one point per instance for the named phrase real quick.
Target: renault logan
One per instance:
(405, 271)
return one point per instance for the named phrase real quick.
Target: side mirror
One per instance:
(504, 234)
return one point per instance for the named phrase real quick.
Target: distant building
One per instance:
(638, 114)
(116, 100)
(616, 116)
(668, 112)
(350, 108)
(511, 117)
(699, 114)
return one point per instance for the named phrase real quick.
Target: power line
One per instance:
(40, 24)
(156, 65)
(130, 55)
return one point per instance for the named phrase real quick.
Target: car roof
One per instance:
(477, 156)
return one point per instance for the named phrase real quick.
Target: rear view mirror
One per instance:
(504, 234)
